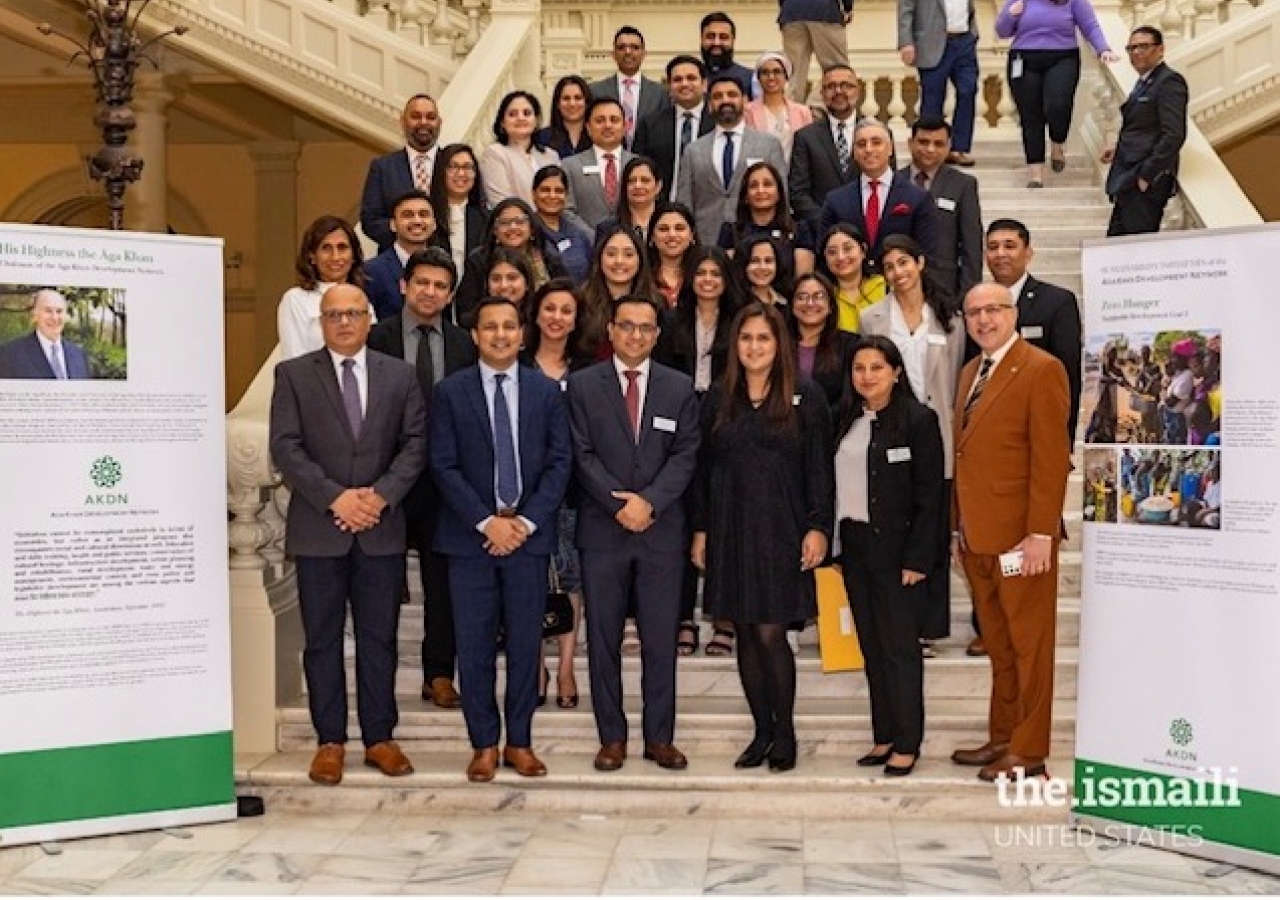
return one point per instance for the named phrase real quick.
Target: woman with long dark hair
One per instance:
(512, 224)
(760, 266)
(638, 199)
(763, 517)
(457, 198)
(673, 243)
(567, 133)
(329, 254)
(763, 209)
(822, 350)
(843, 258)
(508, 165)
(618, 267)
(889, 476)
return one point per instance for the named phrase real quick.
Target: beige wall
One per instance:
(1253, 163)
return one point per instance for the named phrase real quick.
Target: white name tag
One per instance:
(795, 400)
(946, 203)
(938, 340)
(663, 424)
(899, 454)
(590, 170)
(1015, 68)
(1032, 331)
(564, 245)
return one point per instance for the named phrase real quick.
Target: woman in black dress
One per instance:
(763, 517)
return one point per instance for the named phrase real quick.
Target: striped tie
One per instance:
(984, 373)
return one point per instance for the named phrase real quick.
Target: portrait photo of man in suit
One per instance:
(45, 353)
(423, 336)
(639, 96)
(501, 456)
(663, 135)
(635, 443)
(392, 176)
(594, 176)
(347, 435)
(1011, 469)
(958, 263)
(413, 222)
(822, 152)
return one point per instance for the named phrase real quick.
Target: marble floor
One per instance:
(360, 853)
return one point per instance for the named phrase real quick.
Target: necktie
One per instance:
(611, 180)
(726, 162)
(629, 106)
(423, 361)
(922, 181)
(978, 386)
(55, 360)
(873, 212)
(421, 174)
(504, 446)
(842, 149)
(351, 397)
(1139, 86)
(686, 131)
(632, 398)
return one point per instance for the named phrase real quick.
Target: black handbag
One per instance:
(557, 619)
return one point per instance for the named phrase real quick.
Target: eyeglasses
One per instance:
(991, 309)
(460, 167)
(1140, 48)
(846, 86)
(644, 329)
(344, 315)
(771, 73)
(513, 222)
(812, 298)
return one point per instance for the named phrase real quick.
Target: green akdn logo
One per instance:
(106, 472)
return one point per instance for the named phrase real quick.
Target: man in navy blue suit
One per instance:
(413, 223)
(391, 176)
(635, 445)
(878, 204)
(45, 353)
(501, 455)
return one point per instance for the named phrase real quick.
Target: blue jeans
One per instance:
(959, 65)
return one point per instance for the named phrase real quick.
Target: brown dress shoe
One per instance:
(976, 647)
(523, 761)
(1013, 767)
(611, 756)
(666, 756)
(483, 765)
(326, 766)
(441, 692)
(388, 759)
(980, 756)
(956, 158)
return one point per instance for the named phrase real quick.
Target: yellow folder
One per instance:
(837, 638)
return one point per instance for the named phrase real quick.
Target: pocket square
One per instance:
(900, 209)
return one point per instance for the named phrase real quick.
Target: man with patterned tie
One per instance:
(639, 96)
(822, 152)
(394, 175)
(1012, 462)
(501, 456)
(45, 352)
(663, 135)
(347, 434)
(635, 442)
(423, 336)
(594, 176)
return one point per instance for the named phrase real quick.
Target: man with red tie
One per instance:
(594, 176)
(639, 96)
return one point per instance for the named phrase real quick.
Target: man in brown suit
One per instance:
(1010, 480)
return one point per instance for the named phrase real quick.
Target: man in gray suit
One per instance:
(712, 166)
(958, 262)
(635, 446)
(595, 175)
(347, 433)
(638, 95)
(940, 38)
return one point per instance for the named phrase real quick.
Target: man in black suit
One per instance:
(501, 455)
(347, 435)
(45, 352)
(1153, 128)
(955, 195)
(663, 135)
(413, 222)
(878, 204)
(717, 34)
(635, 443)
(822, 153)
(392, 176)
(639, 96)
(422, 335)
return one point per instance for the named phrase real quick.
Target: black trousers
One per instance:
(935, 605)
(1140, 212)
(1045, 95)
(886, 616)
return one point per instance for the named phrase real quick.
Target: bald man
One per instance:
(45, 353)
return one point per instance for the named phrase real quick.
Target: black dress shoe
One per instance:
(755, 754)
(901, 771)
(782, 761)
(875, 759)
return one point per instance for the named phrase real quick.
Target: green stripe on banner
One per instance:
(76, 783)
(1251, 824)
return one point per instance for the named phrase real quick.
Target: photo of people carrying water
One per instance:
(1167, 487)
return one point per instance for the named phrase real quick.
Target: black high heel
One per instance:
(755, 754)
(782, 758)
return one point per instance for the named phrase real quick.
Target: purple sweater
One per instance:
(1045, 25)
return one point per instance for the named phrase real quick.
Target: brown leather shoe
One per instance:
(388, 759)
(980, 756)
(976, 647)
(326, 766)
(956, 158)
(483, 765)
(1014, 767)
(441, 692)
(666, 756)
(611, 756)
(523, 761)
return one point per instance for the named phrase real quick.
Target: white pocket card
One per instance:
(1011, 564)
(660, 423)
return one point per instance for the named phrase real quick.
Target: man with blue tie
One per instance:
(501, 456)
(635, 445)
(45, 353)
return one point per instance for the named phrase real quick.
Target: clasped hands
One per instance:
(636, 514)
(504, 535)
(357, 509)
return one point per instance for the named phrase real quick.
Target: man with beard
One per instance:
(718, 34)
(822, 154)
(394, 175)
(712, 166)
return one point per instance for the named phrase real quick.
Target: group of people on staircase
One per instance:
(677, 333)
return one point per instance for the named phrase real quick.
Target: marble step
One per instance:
(1039, 216)
(1011, 175)
(705, 726)
(999, 197)
(818, 787)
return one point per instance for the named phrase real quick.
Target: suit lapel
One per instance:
(611, 390)
(329, 386)
(1003, 376)
(375, 372)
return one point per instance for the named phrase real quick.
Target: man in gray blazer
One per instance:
(635, 447)
(958, 262)
(595, 175)
(940, 39)
(347, 433)
(712, 166)
(638, 95)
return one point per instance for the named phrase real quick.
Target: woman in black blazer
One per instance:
(823, 351)
(889, 475)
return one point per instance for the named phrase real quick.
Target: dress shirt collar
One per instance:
(1002, 350)
(487, 372)
(737, 130)
(696, 111)
(1018, 287)
(621, 368)
(360, 357)
(45, 344)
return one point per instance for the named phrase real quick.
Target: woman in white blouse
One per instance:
(330, 254)
(508, 166)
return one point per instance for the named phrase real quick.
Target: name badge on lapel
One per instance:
(946, 203)
(795, 399)
(938, 340)
(1031, 332)
(661, 423)
(590, 170)
(899, 454)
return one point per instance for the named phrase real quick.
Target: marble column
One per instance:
(275, 166)
(147, 200)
